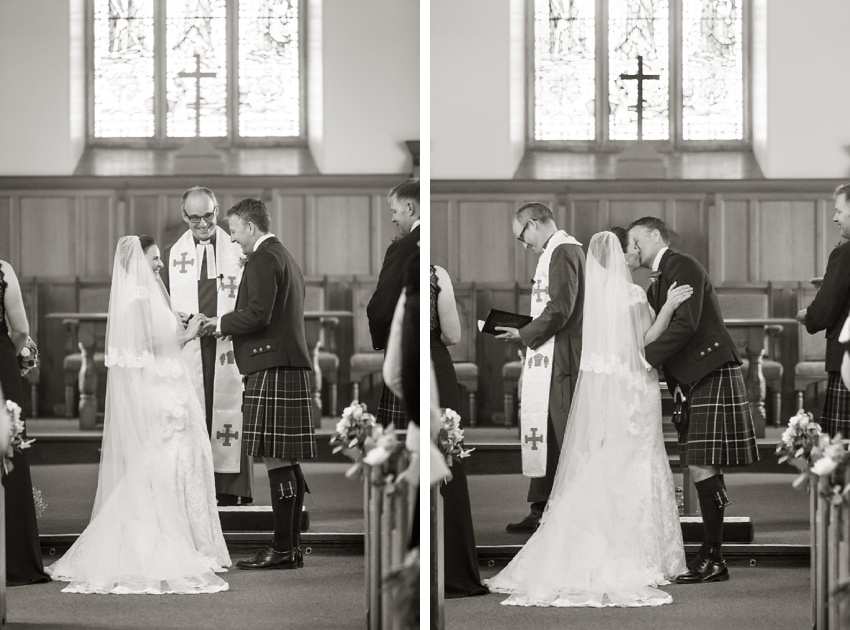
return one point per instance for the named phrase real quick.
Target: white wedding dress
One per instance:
(154, 526)
(610, 533)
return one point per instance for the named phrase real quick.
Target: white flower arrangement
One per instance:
(450, 437)
(16, 435)
(805, 446)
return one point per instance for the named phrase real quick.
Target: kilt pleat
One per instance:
(835, 417)
(391, 410)
(277, 410)
(720, 430)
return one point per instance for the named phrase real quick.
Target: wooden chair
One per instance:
(365, 361)
(315, 299)
(811, 368)
(755, 302)
(463, 353)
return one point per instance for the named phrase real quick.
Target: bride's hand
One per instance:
(193, 327)
(677, 295)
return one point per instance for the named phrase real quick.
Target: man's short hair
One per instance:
(197, 190)
(844, 189)
(408, 190)
(252, 210)
(534, 210)
(653, 223)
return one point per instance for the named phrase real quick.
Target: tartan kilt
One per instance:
(835, 417)
(277, 414)
(720, 430)
(391, 409)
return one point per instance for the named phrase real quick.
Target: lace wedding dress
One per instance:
(154, 527)
(610, 533)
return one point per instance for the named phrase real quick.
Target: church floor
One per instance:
(778, 511)
(335, 502)
(326, 594)
(754, 598)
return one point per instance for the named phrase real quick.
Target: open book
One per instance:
(502, 318)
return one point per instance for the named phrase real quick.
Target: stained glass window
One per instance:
(638, 27)
(582, 47)
(564, 69)
(269, 68)
(144, 88)
(712, 70)
(123, 68)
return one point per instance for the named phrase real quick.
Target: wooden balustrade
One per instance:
(387, 526)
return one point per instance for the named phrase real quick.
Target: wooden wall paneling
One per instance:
(827, 234)
(6, 231)
(97, 235)
(587, 215)
(345, 220)
(384, 233)
(731, 241)
(689, 216)
(785, 240)
(484, 237)
(439, 218)
(290, 223)
(48, 235)
(144, 215)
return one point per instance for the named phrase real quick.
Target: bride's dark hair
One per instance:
(623, 235)
(146, 242)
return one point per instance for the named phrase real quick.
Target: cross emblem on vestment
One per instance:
(640, 77)
(534, 439)
(183, 262)
(538, 290)
(197, 75)
(227, 434)
(231, 287)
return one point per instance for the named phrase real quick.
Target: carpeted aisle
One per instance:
(753, 599)
(326, 594)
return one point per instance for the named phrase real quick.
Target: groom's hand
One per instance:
(508, 333)
(801, 316)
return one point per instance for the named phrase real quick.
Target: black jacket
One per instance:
(831, 305)
(696, 342)
(390, 283)
(268, 323)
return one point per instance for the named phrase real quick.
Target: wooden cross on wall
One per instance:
(197, 75)
(640, 77)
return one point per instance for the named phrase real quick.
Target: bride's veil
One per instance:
(612, 382)
(141, 337)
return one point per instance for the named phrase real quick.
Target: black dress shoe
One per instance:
(299, 557)
(270, 559)
(707, 570)
(528, 525)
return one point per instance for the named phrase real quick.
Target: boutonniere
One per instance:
(654, 275)
(243, 260)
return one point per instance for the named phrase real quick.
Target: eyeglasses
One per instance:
(194, 219)
(522, 234)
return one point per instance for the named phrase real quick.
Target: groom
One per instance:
(553, 338)
(271, 352)
(697, 354)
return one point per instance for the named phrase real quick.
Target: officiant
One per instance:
(553, 341)
(202, 273)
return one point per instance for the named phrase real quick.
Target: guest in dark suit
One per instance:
(404, 205)
(271, 351)
(828, 311)
(698, 355)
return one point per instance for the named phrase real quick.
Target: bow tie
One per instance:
(654, 275)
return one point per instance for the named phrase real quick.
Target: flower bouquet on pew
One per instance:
(359, 437)
(13, 428)
(450, 438)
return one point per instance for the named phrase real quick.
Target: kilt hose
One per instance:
(277, 414)
(835, 417)
(720, 430)
(391, 409)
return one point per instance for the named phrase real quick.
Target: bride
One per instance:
(154, 526)
(610, 533)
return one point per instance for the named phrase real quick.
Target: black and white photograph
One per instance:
(209, 314)
(640, 286)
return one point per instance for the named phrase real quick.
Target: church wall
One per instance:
(42, 121)
(477, 88)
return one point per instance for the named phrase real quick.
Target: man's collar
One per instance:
(657, 262)
(415, 225)
(211, 239)
(261, 239)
